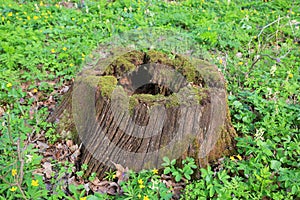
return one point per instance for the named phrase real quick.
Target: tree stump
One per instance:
(133, 108)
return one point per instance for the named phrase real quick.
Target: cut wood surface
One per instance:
(133, 108)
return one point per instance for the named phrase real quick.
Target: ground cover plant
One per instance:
(254, 43)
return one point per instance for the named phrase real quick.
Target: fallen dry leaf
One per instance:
(47, 169)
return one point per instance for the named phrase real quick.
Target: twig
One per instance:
(263, 28)
(20, 178)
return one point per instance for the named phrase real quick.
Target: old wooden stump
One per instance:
(134, 107)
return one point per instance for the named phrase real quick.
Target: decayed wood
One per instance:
(160, 121)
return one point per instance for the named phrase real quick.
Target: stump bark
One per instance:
(134, 107)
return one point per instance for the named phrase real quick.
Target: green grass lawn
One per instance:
(44, 44)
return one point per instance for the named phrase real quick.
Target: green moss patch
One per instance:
(107, 85)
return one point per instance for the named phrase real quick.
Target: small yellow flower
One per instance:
(35, 183)
(142, 186)
(13, 189)
(34, 90)
(232, 158)
(52, 50)
(139, 196)
(209, 28)
(146, 198)
(240, 63)
(291, 75)
(220, 61)
(65, 48)
(13, 172)
(35, 17)
(8, 85)
(83, 55)
(83, 59)
(239, 157)
(155, 171)
(71, 65)
(82, 198)
(140, 181)
(10, 14)
(28, 17)
(73, 18)
(254, 36)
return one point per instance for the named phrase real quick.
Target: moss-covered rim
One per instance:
(132, 60)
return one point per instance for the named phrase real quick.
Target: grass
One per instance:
(254, 43)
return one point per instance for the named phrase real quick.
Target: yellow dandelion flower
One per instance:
(13, 172)
(239, 157)
(10, 14)
(82, 198)
(35, 17)
(28, 17)
(35, 183)
(8, 85)
(291, 75)
(155, 171)
(65, 48)
(52, 50)
(34, 90)
(146, 198)
(140, 181)
(71, 64)
(13, 189)
(142, 186)
(232, 158)
(240, 63)
(220, 61)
